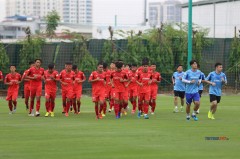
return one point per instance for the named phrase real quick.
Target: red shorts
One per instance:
(50, 94)
(133, 92)
(154, 93)
(77, 93)
(96, 97)
(36, 91)
(26, 91)
(120, 95)
(67, 93)
(12, 95)
(108, 91)
(144, 96)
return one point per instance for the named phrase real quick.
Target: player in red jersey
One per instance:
(119, 90)
(144, 81)
(156, 79)
(112, 69)
(133, 87)
(12, 80)
(50, 77)
(126, 69)
(35, 74)
(77, 88)
(27, 85)
(67, 77)
(108, 88)
(97, 78)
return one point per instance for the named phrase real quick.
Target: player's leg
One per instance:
(140, 104)
(74, 102)
(200, 94)
(64, 100)
(182, 96)
(26, 96)
(38, 98)
(47, 104)
(78, 105)
(52, 103)
(33, 91)
(189, 98)
(153, 100)
(9, 99)
(196, 99)
(101, 103)
(176, 95)
(146, 104)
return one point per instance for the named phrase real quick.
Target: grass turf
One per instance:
(166, 134)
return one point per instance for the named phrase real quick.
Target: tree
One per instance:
(52, 20)
(4, 59)
(32, 49)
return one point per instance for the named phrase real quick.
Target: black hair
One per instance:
(145, 61)
(192, 62)
(100, 63)
(119, 65)
(68, 63)
(154, 63)
(51, 66)
(74, 67)
(179, 65)
(105, 65)
(218, 64)
(130, 65)
(134, 65)
(38, 60)
(12, 65)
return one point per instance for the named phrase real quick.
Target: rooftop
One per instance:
(206, 2)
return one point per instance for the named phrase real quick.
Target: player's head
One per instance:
(38, 62)
(75, 68)
(119, 65)
(134, 67)
(12, 68)
(180, 68)
(51, 67)
(31, 63)
(68, 66)
(121, 61)
(105, 66)
(218, 67)
(145, 64)
(193, 64)
(100, 67)
(128, 66)
(112, 65)
(154, 66)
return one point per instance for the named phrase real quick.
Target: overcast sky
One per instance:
(129, 12)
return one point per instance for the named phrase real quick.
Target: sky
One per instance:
(129, 12)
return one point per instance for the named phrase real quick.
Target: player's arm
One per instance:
(7, 82)
(91, 80)
(138, 80)
(173, 80)
(158, 80)
(83, 79)
(224, 80)
(184, 79)
(208, 80)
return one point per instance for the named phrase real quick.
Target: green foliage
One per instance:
(52, 20)
(82, 57)
(4, 59)
(31, 50)
(234, 58)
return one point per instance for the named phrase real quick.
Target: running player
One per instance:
(133, 87)
(179, 88)
(12, 80)
(112, 69)
(216, 79)
(50, 77)
(97, 78)
(119, 90)
(35, 74)
(156, 79)
(27, 85)
(192, 78)
(144, 81)
(67, 77)
(77, 89)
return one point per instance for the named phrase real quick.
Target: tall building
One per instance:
(77, 11)
(34, 8)
(70, 11)
(167, 12)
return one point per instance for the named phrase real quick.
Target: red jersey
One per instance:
(108, 76)
(26, 83)
(116, 76)
(98, 86)
(133, 77)
(155, 76)
(50, 84)
(139, 70)
(1, 75)
(144, 78)
(13, 78)
(79, 77)
(33, 71)
(67, 77)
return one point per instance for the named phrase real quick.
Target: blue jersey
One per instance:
(201, 84)
(179, 85)
(190, 75)
(217, 79)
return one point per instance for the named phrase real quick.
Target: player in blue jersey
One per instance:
(200, 87)
(216, 79)
(192, 78)
(179, 88)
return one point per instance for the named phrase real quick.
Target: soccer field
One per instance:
(164, 135)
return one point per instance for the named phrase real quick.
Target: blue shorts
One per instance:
(192, 97)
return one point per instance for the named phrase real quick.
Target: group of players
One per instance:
(115, 85)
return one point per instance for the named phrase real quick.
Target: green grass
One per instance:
(165, 135)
